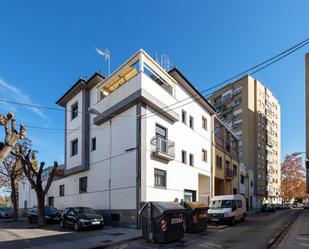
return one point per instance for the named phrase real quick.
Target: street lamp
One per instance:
(307, 168)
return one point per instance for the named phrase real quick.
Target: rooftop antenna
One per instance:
(164, 61)
(107, 56)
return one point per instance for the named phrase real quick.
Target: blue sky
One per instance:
(46, 47)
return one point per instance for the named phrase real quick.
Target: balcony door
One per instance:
(161, 135)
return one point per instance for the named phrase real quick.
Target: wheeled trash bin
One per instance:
(196, 217)
(162, 222)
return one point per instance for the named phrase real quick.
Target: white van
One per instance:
(227, 209)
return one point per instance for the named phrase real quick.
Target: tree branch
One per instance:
(50, 178)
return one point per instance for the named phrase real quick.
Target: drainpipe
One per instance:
(110, 170)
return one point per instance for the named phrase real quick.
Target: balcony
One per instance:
(228, 173)
(163, 148)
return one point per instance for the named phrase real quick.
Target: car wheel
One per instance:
(76, 227)
(233, 222)
(243, 218)
(62, 224)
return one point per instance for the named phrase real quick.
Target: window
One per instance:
(239, 203)
(161, 131)
(159, 178)
(74, 147)
(157, 78)
(189, 195)
(61, 190)
(234, 170)
(191, 160)
(204, 155)
(242, 179)
(83, 184)
(219, 161)
(161, 136)
(184, 156)
(51, 201)
(93, 144)
(191, 122)
(238, 101)
(74, 111)
(184, 117)
(204, 123)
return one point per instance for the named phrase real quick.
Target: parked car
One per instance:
(6, 212)
(278, 206)
(81, 217)
(227, 209)
(306, 206)
(268, 207)
(52, 215)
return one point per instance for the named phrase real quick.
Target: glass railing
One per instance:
(163, 145)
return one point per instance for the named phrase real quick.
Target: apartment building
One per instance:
(251, 110)
(127, 141)
(307, 121)
(225, 165)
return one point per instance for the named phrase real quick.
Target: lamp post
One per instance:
(307, 168)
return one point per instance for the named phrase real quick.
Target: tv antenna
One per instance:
(164, 61)
(107, 56)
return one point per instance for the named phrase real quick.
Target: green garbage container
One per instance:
(162, 222)
(196, 217)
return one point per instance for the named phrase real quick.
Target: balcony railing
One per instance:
(163, 148)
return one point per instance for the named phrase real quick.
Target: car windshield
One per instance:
(84, 210)
(221, 204)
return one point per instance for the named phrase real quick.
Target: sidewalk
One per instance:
(298, 236)
(23, 236)
(109, 237)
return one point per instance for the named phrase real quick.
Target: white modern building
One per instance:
(140, 134)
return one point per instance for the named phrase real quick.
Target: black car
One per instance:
(52, 215)
(81, 217)
(268, 207)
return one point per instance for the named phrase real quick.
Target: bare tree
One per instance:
(11, 135)
(34, 176)
(10, 173)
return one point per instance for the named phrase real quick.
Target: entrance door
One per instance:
(189, 195)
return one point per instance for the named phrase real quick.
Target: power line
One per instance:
(268, 62)
(52, 108)
(271, 61)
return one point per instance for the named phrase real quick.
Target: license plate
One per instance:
(176, 220)
(56, 218)
(215, 219)
(95, 222)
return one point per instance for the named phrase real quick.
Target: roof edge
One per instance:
(193, 87)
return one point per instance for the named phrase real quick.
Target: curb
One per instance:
(107, 245)
(273, 240)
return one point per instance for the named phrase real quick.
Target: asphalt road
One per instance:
(254, 233)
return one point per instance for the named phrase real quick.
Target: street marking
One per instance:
(210, 245)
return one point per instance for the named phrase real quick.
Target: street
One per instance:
(254, 233)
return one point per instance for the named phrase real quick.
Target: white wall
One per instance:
(179, 176)
(74, 131)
